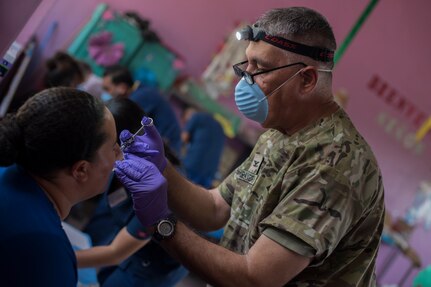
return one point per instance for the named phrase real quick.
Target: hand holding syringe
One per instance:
(141, 131)
(145, 143)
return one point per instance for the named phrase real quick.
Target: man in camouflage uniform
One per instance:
(306, 207)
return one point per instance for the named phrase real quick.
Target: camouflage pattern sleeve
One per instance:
(290, 241)
(226, 190)
(318, 193)
(318, 211)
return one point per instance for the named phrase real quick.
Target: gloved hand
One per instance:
(148, 146)
(148, 189)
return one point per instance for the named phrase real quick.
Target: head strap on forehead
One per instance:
(256, 34)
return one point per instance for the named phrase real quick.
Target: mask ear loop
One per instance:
(279, 87)
(297, 73)
(322, 70)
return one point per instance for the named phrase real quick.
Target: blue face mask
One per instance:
(105, 96)
(251, 101)
(80, 87)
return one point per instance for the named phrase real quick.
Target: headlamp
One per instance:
(239, 35)
(250, 33)
(255, 34)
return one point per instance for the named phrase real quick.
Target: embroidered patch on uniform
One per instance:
(116, 197)
(245, 176)
(256, 163)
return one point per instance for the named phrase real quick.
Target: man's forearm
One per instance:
(192, 203)
(266, 263)
(215, 264)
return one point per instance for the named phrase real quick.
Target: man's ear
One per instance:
(309, 78)
(80, 170)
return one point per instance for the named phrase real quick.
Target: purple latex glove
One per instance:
(148, 189)
(148, 146)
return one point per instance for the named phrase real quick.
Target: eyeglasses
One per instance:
(250, 77)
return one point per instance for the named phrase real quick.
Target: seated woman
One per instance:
(57, 150)
(122, 242)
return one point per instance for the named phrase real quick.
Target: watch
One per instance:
(165, 228)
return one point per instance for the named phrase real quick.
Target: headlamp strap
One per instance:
(319, 54)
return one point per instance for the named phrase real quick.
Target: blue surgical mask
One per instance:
(105, 96)
(251, 101)
(80, 87)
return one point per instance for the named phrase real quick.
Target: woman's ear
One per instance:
(80, 170)
(309, 78)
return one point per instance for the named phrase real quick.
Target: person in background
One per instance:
(92, 83)
(65, 71)
(62, 71)
(57, 150)
(306, 208)
(204, 139)
(122, 242)
(118, 82)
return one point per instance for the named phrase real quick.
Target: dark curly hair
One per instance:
(62, 71)
(52, 130)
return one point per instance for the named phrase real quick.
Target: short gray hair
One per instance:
(299, 24)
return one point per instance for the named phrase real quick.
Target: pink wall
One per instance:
(12, 20)
(393, 45)
(195, 29)
(36, 19)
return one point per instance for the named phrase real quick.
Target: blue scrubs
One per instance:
(204, 150)
(34, 250)
(151, 265)
(158, 108)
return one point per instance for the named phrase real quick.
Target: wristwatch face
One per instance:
(165, 228)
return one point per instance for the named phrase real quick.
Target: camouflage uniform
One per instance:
(319, 193)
